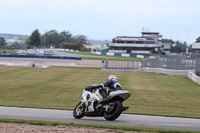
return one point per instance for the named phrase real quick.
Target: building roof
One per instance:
(196, 45)
(129, 37)
(133, 37)
(157, 33)
(134, 45)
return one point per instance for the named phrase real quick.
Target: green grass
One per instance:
(114, 58)
(61, 88)
(81, 53)
(126, 128)
(9, 51)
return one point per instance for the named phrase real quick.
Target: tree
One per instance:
(35, 39)
(68, 45)
(179, 47)
(198, 39)
(171, 43)
(67, 36)
(17, 45)
(167, 41)
(190, 48)
(176, 46)
(81, 39)
(2, 42)
(51, 38)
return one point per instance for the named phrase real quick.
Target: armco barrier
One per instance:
(39, 56)
(121, 54)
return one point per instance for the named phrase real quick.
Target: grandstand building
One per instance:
(196, 48)
(148, 43)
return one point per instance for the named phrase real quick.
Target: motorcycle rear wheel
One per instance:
(115, 112)
(78, 112)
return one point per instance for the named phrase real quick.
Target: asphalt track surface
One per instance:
(44, 63)
(123, 120)
(77, 55)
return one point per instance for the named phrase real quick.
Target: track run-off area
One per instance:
(123, 120)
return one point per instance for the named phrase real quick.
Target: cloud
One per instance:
(109, 7)
(101, 18)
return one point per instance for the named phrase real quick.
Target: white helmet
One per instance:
(112, 77)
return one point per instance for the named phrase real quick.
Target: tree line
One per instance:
(62, 39)
(66, 40)
(2, 43)
(177, 46)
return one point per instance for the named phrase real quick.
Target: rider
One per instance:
(112, 85)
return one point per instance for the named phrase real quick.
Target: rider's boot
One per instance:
(105, 100)
(104, 96)
(125, 108)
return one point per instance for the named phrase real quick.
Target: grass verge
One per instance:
(10, 51)
(80, 53)
(126, 128)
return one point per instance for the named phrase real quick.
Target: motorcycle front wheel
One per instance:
(114, 110)
(79, 111)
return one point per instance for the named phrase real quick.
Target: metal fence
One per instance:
(174, 62)
(167, 62)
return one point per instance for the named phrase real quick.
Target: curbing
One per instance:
(123, 55)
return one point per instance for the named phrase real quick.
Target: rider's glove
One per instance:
(99, 86)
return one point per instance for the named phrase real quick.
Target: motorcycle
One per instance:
(110, 110)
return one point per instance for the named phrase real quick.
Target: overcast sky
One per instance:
(103, 19)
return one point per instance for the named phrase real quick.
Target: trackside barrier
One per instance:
(121, 65)
(188, 73)
(194, 77)
(39, 56)
(123, 55)
(165, 71)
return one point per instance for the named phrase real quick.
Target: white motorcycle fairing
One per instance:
(123, 95)
(94, 105)
(89, 99)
